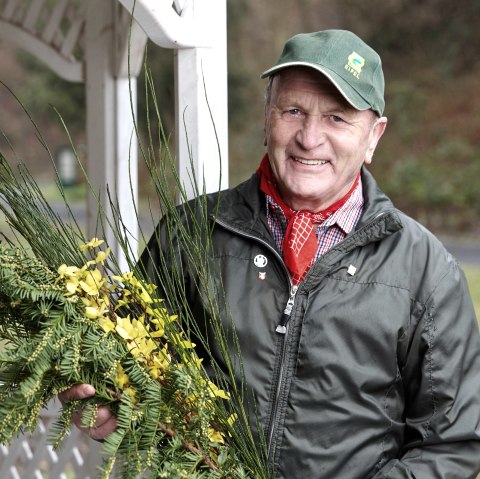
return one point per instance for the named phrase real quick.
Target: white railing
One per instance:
(53, 32)
(30, 456)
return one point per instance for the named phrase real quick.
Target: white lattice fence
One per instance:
(31, 457)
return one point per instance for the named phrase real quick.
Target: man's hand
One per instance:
(106, 421)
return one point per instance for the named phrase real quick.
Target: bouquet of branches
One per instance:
(70, 316)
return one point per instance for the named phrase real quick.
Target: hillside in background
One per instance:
(429, 159)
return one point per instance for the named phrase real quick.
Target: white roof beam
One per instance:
(164, 26)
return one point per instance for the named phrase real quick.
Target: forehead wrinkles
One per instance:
(300, 85)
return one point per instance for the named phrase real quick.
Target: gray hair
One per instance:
(268, 91)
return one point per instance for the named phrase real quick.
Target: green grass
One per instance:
(72, 193)
(473, 278)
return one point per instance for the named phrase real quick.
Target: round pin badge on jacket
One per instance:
(260, 261)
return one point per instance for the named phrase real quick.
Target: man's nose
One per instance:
(311, 133)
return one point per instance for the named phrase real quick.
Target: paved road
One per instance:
(468, 253)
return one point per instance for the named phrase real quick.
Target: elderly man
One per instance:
(357, 333)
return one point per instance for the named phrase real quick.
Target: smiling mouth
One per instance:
(303, 161)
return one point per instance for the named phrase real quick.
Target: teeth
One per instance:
(311, 162)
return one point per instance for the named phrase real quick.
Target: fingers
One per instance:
(105, 420)
(77, 392)
(105, 423)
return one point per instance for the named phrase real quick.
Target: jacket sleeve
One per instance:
(441, 376)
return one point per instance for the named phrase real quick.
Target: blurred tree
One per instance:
(43, 89)
(428, 161)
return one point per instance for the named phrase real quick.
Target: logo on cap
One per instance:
(355, 64)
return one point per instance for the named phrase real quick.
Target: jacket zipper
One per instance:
(281, 329)
(287, 312)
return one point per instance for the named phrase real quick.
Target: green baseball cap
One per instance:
(346, 60)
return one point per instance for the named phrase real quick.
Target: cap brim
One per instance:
(349, 93)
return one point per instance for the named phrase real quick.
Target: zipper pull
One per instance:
(282, 327)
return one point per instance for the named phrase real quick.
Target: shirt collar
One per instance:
(345, 217)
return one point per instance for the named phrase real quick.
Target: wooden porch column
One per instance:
(111, 139)
(196, 31)
(201, 100)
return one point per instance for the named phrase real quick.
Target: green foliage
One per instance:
(43, 89)
(429, 52)
(77, 324)
(164, 427)
(430, 152)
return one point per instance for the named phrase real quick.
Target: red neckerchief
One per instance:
(300, 242)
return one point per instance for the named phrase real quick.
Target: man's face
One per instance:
(315, 140)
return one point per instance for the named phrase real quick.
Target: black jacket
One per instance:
(377, 371)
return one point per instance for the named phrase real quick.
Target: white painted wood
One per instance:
(32, 15)
(200, 122)
(101, 114)
(179, 5)
(201, 104)
(112, 144)
(72, 37)
(131, 42)
(196, 30)
(198, 36)
(9, 10)
(34, 25)
(126, 165)
(54, 21)
(31, 457)
(163, 25)
(63, 67)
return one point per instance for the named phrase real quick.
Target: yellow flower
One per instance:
(92, 313)
(106, 324)
(121, 379)
(159, 364)
(232, 418)
(102, 256)
(145, 296)
(141, 348)
(131, 392)
(217, 392)
(129, 329)
(215, 436)
(92, 282)
(157, 334)
(157, 319)
(93, 243)
(71, 285)
(65, 270)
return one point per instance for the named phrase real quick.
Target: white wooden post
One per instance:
(112, 144)
(196, 30)
(101, 109)
(201, 102)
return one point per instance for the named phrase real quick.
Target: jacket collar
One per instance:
(243, 208)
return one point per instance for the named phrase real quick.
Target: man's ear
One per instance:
(378, 129)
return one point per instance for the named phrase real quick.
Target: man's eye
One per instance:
(294, 111)
(292, 114)
(336, 119)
